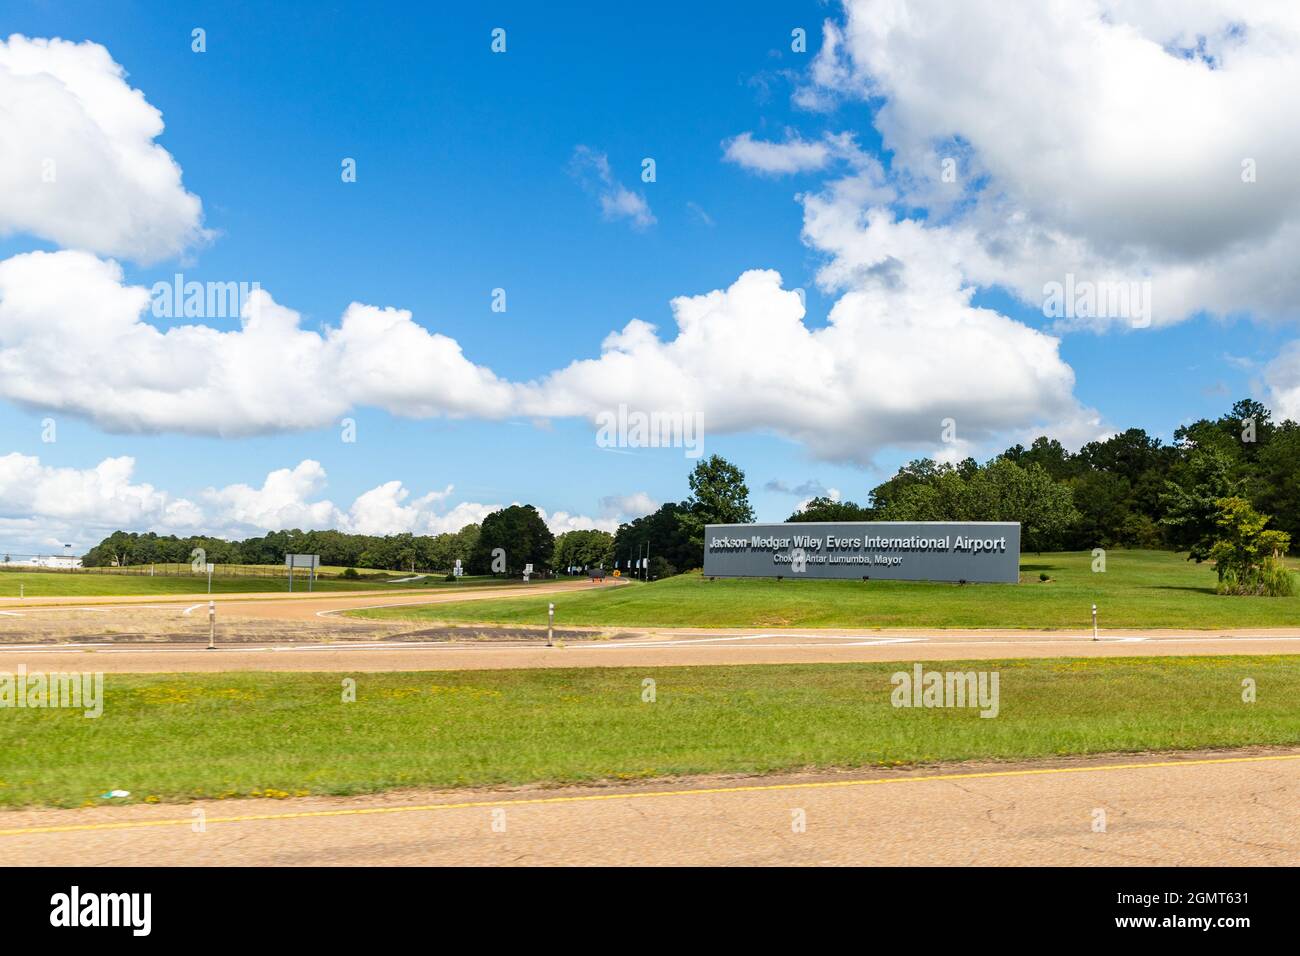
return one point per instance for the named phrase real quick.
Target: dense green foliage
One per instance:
(1248, 556)
(1131, 490)
(397, 552)
(511, 539)
(584, 549)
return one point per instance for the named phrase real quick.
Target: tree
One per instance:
(1191, 508)
(719, 495)
(921, 471)
(1246, 556)
(826, 509)
(521, 534)
(998, 491)
(661, 534)
(1275, 489)
(584, 549)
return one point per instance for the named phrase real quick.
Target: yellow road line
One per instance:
(753, 788)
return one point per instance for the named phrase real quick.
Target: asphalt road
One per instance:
(1211, 809)
(658, 649)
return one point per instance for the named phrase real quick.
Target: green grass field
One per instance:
(90, 584)
(1138, 589)
(175, 737)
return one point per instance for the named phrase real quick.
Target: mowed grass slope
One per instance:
(96, 584)
(175, 737)
(1138, 589)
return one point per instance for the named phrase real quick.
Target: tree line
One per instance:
(503, 543)
(1130, 490)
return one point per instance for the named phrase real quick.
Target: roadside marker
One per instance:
(212, 625)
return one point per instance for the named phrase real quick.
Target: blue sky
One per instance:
(466, 183)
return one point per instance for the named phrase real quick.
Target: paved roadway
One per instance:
(1211, 809)
(660, 649)
(631, 646)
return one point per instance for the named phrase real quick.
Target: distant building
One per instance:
(63, 562)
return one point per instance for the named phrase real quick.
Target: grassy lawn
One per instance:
(93, 584)
(1138, 589)
(170, 737)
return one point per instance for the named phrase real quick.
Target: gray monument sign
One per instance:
(983, 551)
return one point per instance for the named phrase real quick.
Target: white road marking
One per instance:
(191, 608)
(856, 639)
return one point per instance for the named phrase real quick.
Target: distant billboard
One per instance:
(979, 551)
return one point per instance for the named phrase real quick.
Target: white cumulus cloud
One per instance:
(79, 164)
(73, 338)
(1154, 143)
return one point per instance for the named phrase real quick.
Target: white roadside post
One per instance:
(210, 567)
(550, 623)
(1094, 622)
(212, 625)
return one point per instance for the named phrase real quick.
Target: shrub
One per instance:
(1247, 557)
(1271, 578)
(351, 574)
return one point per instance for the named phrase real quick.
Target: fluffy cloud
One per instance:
(1123, 159)
(105, 491)
(561, 521)
(898, 356)
(903, 349)
(64, 314)
(743, 358)
(627, 507)
(78, 161)
(281, 501)
(1282, 377)
(43, 507)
